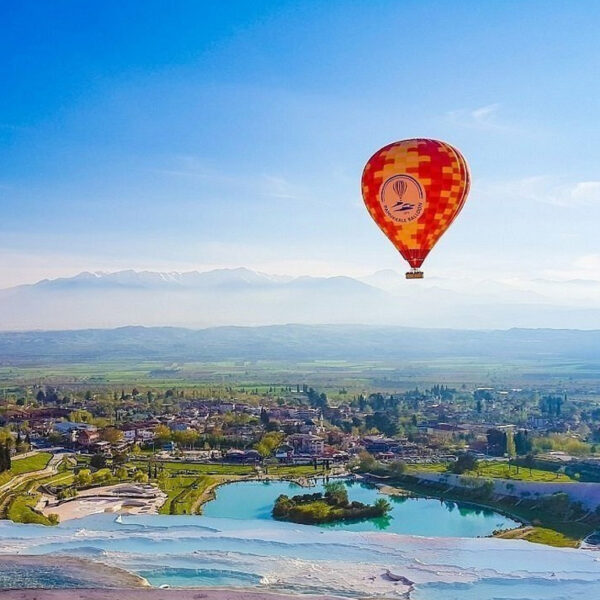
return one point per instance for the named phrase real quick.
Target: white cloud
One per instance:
(586, 192)
(545, 189)
(589, 262)
(278, 187)
(484, 117)
(188, 166)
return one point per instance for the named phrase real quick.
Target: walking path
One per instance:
(50, 469)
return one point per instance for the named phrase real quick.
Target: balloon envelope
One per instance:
(414, 189)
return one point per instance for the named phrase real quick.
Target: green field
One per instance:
(184, 468)
(541, 535)
(18, 504)
(25, 465)
(293, 471)
(497, 470)
(20, 510)
(327, 375)
(183, 493)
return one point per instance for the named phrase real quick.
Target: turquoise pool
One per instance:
(413, 516)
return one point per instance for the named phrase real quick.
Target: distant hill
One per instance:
(295, 342)
(249, 298)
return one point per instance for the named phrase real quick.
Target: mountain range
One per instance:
(368, 343)
(243, 297)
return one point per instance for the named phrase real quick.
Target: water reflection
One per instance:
(409, 514)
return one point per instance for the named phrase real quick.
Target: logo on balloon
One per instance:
(402, 198)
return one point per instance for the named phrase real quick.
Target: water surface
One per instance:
(237, 544)
(414, 516)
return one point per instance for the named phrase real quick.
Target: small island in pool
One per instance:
(330, 507)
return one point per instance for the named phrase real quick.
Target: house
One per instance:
(284, 452)
(100, 447)
(88, 437)
(138, 432)
(306, 443)
(242, 456)
(378, 444)
(70, 431)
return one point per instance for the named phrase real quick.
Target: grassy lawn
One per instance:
(501, 470)
(63, 479)
(497, 470)
(26, 465)
(540, 535)
(20, 510)
(19, 503)
(293, 471)
(183, 492)
(226, 469)
(427, 468)
(199, 468)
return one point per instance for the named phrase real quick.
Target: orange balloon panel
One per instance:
(414, 189)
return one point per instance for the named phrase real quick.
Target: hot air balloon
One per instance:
(414, 189)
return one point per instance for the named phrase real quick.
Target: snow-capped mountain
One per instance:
(245, 297)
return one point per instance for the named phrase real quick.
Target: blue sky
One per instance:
(190, 135)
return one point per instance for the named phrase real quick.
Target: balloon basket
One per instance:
(414, 274)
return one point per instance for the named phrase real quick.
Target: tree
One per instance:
(383, 422)
(523, 442)
(136, 450)
(465, 462)
(101, 476)
(496, 440)
(140, 477)
(268, 443)
(510, 445)
(5, 462)
(336, 493)
(162, 434)
(121, 473)
(367, 462)
(264, 417)
(185, 438)
(382, 506)
(119, 458)
(80, 416)
(98, 461)
(83, 478)
(112, 435)
(529, 462)
(397, 467)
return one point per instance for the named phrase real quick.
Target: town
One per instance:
(188, 441)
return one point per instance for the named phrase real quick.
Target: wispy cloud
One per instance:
(546, 189)
(483, 117)
(267, 185)
(278, 187)
(584, 269)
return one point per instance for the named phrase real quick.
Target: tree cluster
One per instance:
(5, 461)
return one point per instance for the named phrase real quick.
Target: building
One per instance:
(306, 443)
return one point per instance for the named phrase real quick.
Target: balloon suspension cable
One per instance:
(414, 274)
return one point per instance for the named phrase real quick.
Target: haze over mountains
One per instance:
(245, 297)
(368, 343)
